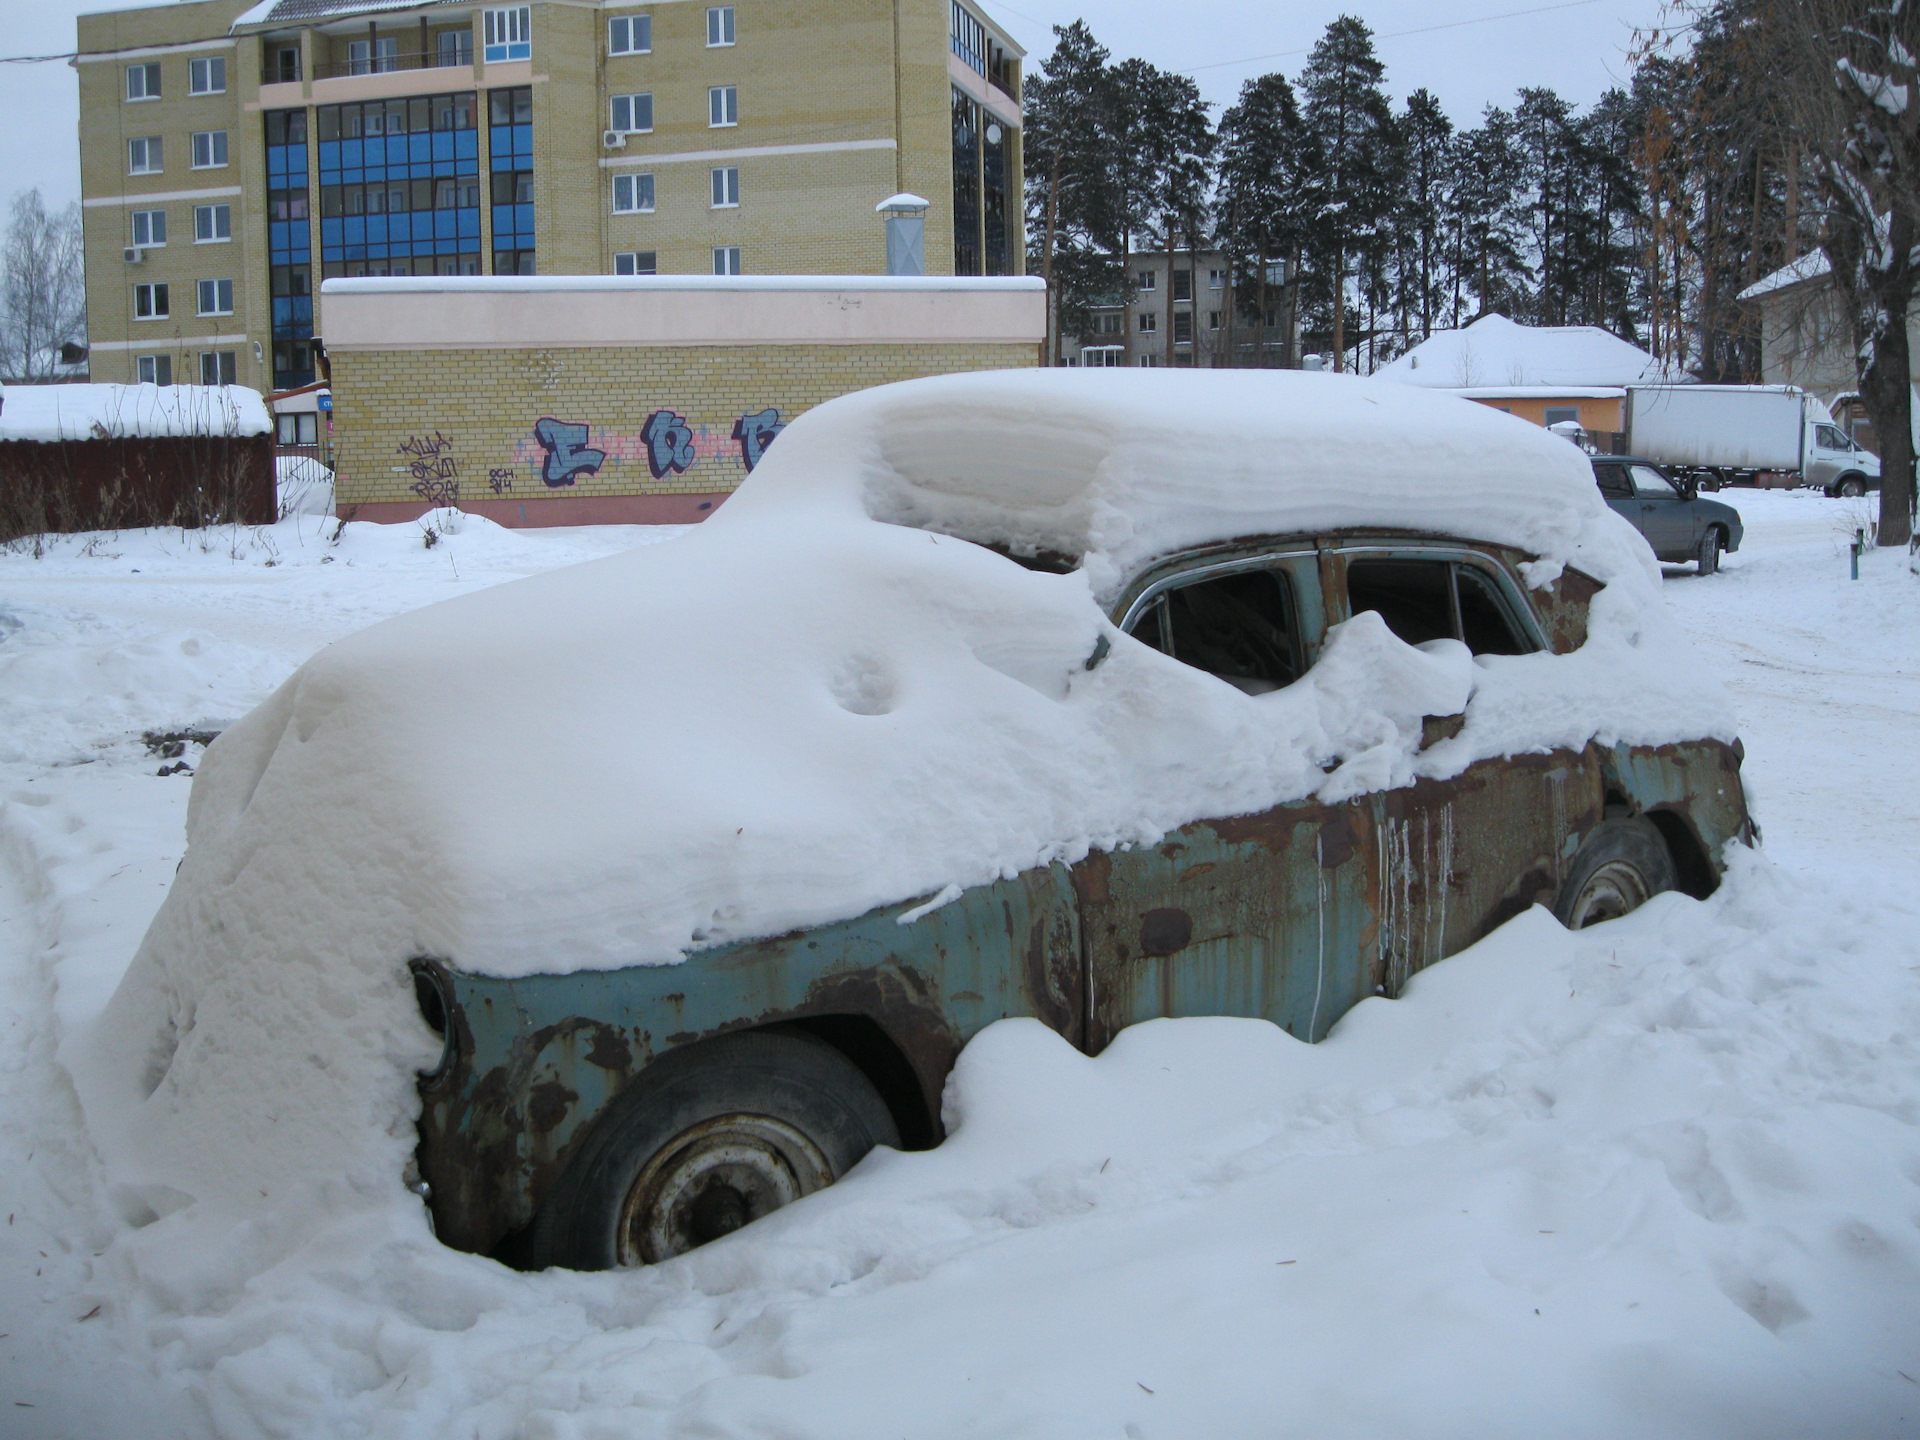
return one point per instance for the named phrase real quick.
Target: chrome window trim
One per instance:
(1178, 578)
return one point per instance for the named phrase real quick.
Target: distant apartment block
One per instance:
(233, 157)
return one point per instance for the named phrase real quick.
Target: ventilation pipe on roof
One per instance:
(906, 233)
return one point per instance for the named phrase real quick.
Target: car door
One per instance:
(1667, 517)
(1460, 856)
(1617, 490)
(1828, 454)
(1261, 915)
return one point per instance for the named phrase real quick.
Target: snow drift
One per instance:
(805, 708)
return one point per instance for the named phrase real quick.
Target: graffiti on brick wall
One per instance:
(755, 432)
(669, 441)
(435, 474)
(568, 454)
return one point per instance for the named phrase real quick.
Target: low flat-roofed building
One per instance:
(567, 400)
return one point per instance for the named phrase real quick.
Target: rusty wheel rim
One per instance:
(713, 1178)
(1615, 889)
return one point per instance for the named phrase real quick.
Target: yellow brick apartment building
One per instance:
(232, 157)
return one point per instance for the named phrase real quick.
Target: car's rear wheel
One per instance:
(1853, 485)
(1708, 552)
(1622, 865)
(705, 1141)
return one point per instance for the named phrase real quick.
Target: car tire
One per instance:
(1708, 551)
(1851, 487)
(1622, 865)
(704, 1141)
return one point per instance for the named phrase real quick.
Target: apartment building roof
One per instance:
(270, 13)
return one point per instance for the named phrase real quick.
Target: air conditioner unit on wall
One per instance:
(133, 255)
(613, 140)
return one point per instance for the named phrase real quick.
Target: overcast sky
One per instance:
(1577, 47)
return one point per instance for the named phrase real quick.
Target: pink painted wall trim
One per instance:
(562, 510)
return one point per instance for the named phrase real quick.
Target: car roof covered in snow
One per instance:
(1116, 467)
(101, 412)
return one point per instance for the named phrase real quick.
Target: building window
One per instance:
(966, 183)
(143, 155)
(509, 33)
(1148, 362)
(1183, 328)
(1147, 323)
(290, 238)
(723, 106)
(150, 302)
(208, 76)
(143, 82)
(300, 428)
(154, 369)
(211, 223)
(1213, 319)
(377, 56)
(631, 114)
(510, 143)
(1216, 279)
(1112, 323)
(1560, 414)
(216, 367)
(726, 259)
(286, 64)
(968, 37)
(149, 227)
(1146, 280)
(634, 262)
(216, 297)
(726, 189)
(1104, 357)
(209, 149)
(632, 194)
(630, 35)
(720, 25)
(1183, 284)
(455, 47)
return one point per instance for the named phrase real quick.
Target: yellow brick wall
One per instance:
(409, 424)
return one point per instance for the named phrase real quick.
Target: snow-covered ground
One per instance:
(1659, 1179)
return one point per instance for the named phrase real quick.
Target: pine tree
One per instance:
(1348, 113)
(1269, 188)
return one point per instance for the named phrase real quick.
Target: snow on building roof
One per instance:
(1495, 351)
(1810, 266)
(305, 12)
(94, 412)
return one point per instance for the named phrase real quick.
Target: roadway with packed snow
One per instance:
(1662, 1178)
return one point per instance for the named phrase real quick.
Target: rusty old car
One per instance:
(619, 1116)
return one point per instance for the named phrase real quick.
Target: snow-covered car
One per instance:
(1090, 697)
(1676, 523)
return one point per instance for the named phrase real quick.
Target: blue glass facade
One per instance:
(510, 152)
(400, 186)
(289, 248)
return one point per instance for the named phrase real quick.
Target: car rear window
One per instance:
(1240, 627)
(1424, 600)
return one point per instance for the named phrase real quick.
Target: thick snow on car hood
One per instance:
(798, 711)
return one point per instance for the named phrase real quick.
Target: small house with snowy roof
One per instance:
(1544, 373)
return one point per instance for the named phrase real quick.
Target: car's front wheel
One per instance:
(705, 1141)
(1622, 865)
(1853, 485)
(1708, 553)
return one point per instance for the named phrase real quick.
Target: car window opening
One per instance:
(1240, 628)
(1424, 600)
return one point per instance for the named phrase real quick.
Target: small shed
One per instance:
(96, 457)
(630, 399)
(1548, 374)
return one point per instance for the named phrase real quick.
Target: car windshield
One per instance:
(1649, 481)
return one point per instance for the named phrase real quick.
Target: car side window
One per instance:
(1242, 628)
(1424, 600)
(1830, 437)
(1649, 481)
(1612, 480)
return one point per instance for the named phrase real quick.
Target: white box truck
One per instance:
(1708, 436)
